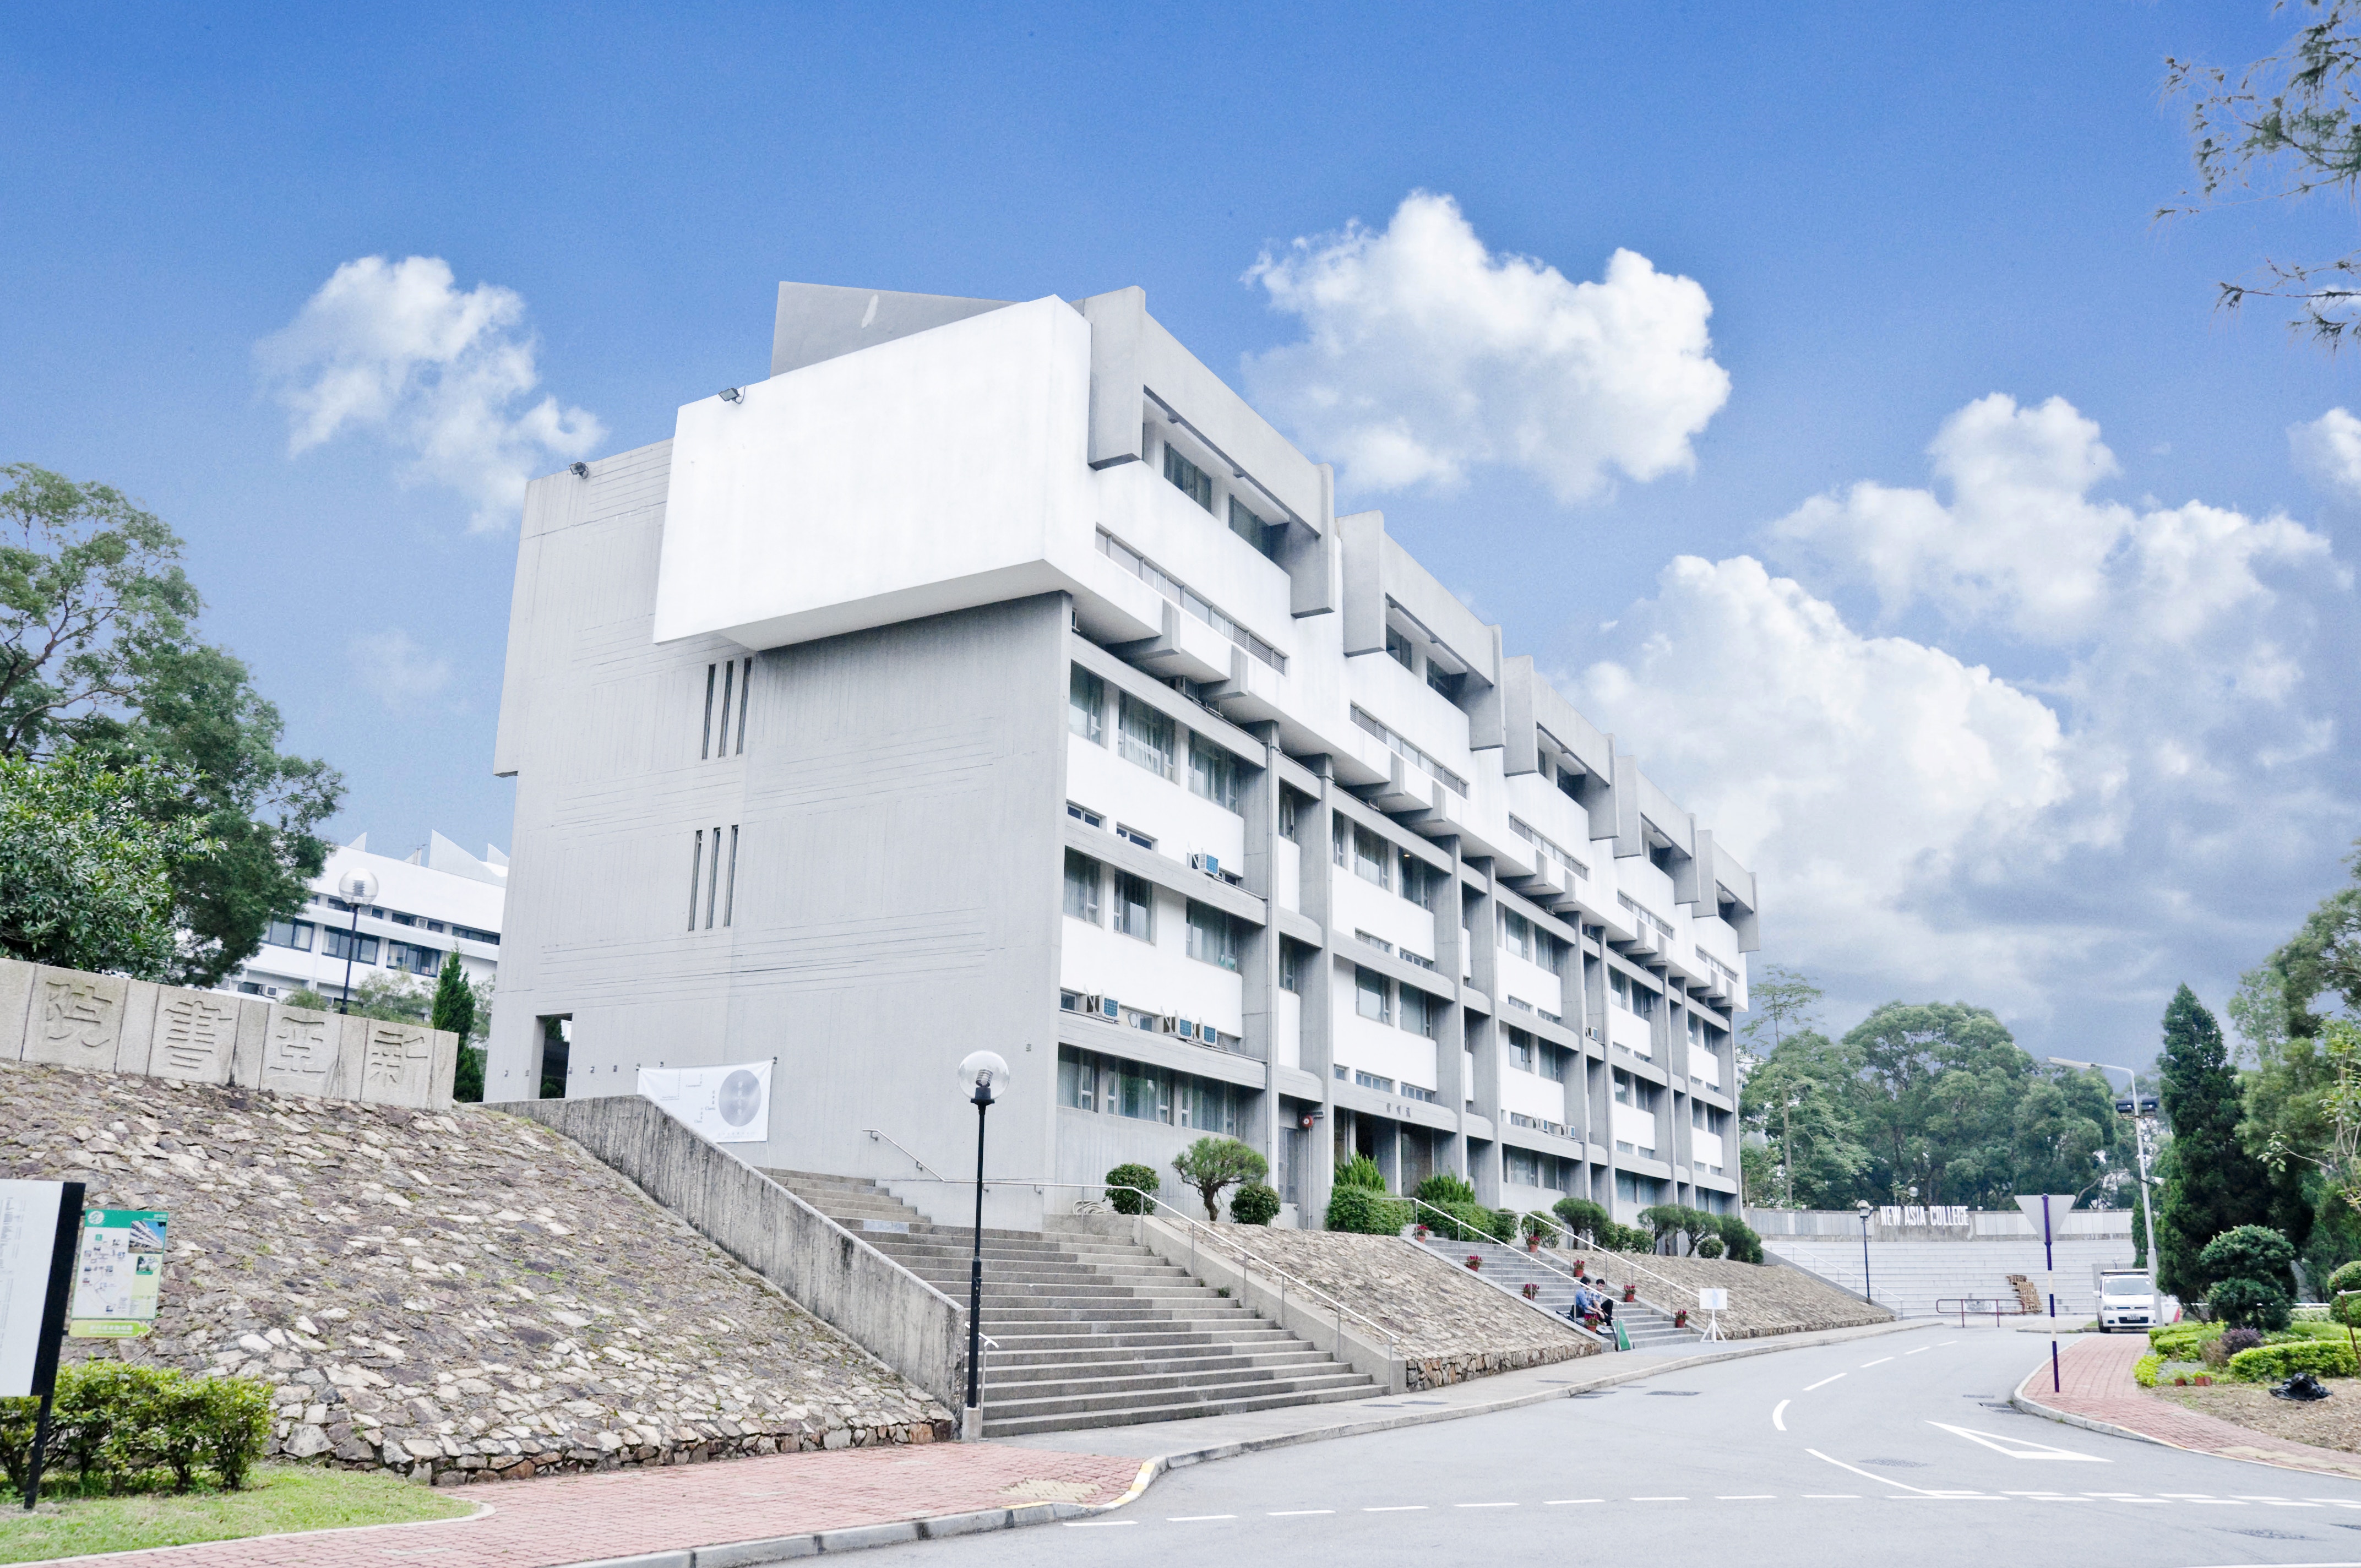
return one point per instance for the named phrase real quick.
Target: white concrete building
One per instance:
(993, 676)
(437, 901)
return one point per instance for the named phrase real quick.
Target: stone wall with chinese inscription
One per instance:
(103, 1023)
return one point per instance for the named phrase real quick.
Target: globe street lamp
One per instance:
(356, 887)
(1862, 1204)
(984, 1075)
(2139, 1147)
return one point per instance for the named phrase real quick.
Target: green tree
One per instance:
(1780, 1002)
(86, 866)
(1944, 1081)
(99, 650)
(1806, 1101)
(1215, 1164)
(2283, 127)
(2210, 1182)
(454, 1009)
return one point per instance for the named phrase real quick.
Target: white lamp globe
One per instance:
(357, 887)
(985, 1074)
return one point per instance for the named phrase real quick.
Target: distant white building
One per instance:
(439, 900)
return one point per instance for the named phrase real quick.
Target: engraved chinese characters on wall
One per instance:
(395, 1067)
(78, 1020)
(299, 1052)
(195, 1036)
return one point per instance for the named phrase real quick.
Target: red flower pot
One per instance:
(1681, 1319)
(1532, 1289)
(1420, 1233)
(1475, 1261)
(1630, 1292)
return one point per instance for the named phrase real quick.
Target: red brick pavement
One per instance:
(621, 1513)
(2096, 1376)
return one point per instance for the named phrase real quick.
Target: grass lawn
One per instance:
(283, 1498)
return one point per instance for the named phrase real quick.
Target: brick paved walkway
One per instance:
(622, 1513)
(2095, 1374)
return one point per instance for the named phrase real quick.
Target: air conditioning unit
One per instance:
(1206, 863)
(1187, 1030)
(1101, 1008)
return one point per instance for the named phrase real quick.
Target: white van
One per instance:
(2126, 1300)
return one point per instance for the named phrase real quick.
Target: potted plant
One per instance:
(1533, 1244)
(1532, 1289)
(1578, 1273)
(1475, 1261)
(1630, 1292)
(1681, 1317)
(1419, 1232)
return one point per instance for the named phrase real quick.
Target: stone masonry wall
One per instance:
(103, 1023)
(1451, 1326)
(453, 1295)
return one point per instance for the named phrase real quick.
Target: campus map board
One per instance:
(723, 1104)
(29, 1217)
(118, 1270)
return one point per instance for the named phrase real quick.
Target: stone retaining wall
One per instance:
(453, 1295)
(103, 1023)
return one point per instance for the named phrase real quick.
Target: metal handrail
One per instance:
(876, 1137)
(1590, 1244)
(1553, 1264)
(1979, 1305)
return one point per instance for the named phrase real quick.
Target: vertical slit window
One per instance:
(695, 866)
(728, 690)
(704, 747)
(730, 893)
(745, 701)
(713, 883)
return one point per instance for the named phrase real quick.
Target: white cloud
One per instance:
(394, 348)
(1425, 356)
(393, 668)
(2328, 450)
(2155, 794)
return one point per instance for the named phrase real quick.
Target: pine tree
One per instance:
(454, 1009)
(2210, 1184)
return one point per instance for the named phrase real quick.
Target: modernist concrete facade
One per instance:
(993, 676)
(437, 901)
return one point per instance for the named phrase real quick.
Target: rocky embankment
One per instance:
(454, 1296)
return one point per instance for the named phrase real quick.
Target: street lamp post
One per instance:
(2139, 1146)
(1862, 1204)
(985, 1074)
(357, 887)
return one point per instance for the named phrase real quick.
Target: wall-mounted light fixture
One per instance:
(579, 470)
(732, 395)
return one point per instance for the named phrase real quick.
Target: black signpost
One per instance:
(53, 1326)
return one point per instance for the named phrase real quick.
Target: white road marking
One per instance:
(1398, 1508)
(1097, 1524)
(1750, 1497)
(2217, 1502)
(1564, 1502)
(1483, 1505)
(1920, 1351)
(1823, 1383)
(1879, 1362)
(1660, 1499)
(1197, 1518)
(1832, 1497)
(1779, 1415)
(1880, 1480)
(1296, 1513)
(2019, 1448)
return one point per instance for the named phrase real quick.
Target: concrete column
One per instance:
(1259, 956)
(1317, 828)
(1451, 1078)
(1484, 937)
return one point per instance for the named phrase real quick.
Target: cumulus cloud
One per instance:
(1426, 356)
(392, 667)
(395, 350)
(2151, 792)
(2328, 450)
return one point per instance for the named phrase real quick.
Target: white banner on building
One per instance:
(723, 1104)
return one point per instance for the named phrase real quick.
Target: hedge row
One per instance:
(119, 1427)
(2270, 1363)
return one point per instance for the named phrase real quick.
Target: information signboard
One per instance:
(118, 1269)
(1713, 1299)
(37, 1234)
(727, 1104)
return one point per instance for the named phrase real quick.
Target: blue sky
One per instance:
(1894, 212)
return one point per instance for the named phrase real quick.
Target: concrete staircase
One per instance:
(1511, 1268)
(1090, 1332)
(1910, 1276)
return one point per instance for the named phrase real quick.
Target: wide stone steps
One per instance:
(1091, 1330)
(1512, 1269)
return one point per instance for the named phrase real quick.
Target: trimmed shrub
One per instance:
(2245, 1302)
(1442, 1189)
(1709, 1247)
(1142, 1177)
(2144, 1369)
(1255, 1203)
(1214, 1165)
(1533, 1222)
(2270, 1363)
(1361, 1171)
(2249, 1252)
(1583, 1217)
(119, 1427)
(2181, 1342)
(1366, 1211)
(1739, 1239)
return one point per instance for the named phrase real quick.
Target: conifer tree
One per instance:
(454, 1009)
(2210, 1184)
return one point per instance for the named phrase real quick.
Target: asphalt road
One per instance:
(1886, 1450)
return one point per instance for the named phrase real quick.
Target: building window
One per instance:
(1264, 536)
(1443, 681)
(338, 944)
(1085, 816)
(1291, 966)
(1130, 835)
(1146, 736)
(1553, 1063)
(1410, 754)
(1622, 1087)
(1143, 1093)
(1520, 1167)
(1213, 773)
(1398, 649)
(1291, 815)
(705, 746)
(1082, 887)
(1086, 706)
(1165, 584)
(1421, 1013)
(1213, 937)
(1135, 906)
(1078, 1079)
(1517, 934)
(1188, 479)
(1371, 857)
(412, 958)
(295, 934)
(1372, 1081)
(1618, 987)
(1520, 1050)
(1420, 882)
(1369, 997)
(468, 933)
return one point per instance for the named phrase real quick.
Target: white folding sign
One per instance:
(728, 1104)
(29, 1234)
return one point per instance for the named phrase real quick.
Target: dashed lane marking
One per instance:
(1779, 1415)
(1097, 1524)
(1198, 1519)
(1832, 1497)
(1823, 1383)
(1920, 1351)
(1296, 1513)
(1660, 1499)
(1879, 1362)
(1398, 1508)
(1750, 1497)
(1483, 1505)
(1567, 1502)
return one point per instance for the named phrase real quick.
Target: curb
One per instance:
(475, 1512)
(2033, 1407)
(787, 1548)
